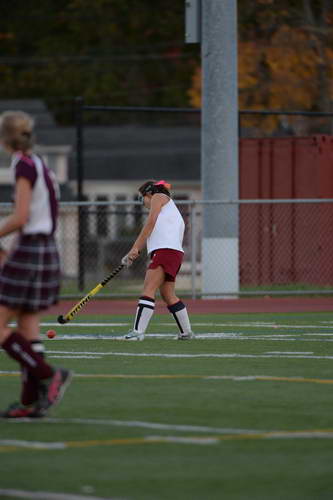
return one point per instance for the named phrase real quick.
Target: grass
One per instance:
(162, 381)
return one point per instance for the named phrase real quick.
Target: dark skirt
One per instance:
(30, 278)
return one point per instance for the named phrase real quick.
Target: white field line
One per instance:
(9, 445)
(6, 444)
(74, 357)
(284, 338)
(322, 334)
(299, 434)
(55, 323)
(257, 325)
(37, 445)
(316, 434)
(98, 355)
(236, 378)
(298, 327)
(288, 352)
(47, 495)
(250, 324)
(139, 424)
(205, 336)
(185, 355)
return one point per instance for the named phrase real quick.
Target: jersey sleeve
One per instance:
(26, 170)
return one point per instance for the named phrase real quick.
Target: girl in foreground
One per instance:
(29, 278)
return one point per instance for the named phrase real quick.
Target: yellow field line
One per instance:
(296, 379)
(213, 377)
(315, 434)
(237, 378)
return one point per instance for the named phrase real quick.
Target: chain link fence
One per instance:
(284, 246)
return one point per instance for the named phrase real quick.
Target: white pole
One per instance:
(219, 146)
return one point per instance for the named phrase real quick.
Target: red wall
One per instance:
(286, 243)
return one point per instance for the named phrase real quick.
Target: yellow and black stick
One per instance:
(69, 316)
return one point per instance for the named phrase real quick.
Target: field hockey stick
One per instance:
(69, 316)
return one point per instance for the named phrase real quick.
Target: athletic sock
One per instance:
(18, 348)
(144, 312)
(179, 312)
(30, 384)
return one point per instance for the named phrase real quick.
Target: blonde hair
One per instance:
(16, 130)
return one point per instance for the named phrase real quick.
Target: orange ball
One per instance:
(51, 334)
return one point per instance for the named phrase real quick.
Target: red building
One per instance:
(285, 242)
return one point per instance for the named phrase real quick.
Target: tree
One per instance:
(285, 57)
(120, 52)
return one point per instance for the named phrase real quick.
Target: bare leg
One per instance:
(167, 290)
(6, 315)
(146, 305)
(178, 309)
(28, 325)
(153, 280)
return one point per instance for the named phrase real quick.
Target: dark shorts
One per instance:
(30, 278)
(170, 260)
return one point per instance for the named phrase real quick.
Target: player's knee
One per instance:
(149, 291)
(170, 299)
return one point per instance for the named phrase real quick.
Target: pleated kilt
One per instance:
(30, 278)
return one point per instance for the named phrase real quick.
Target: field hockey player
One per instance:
(163, 234)
(29, 279)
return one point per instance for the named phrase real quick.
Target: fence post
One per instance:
(193, 250)
(80, 197)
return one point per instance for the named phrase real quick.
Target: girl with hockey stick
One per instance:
(163, 234)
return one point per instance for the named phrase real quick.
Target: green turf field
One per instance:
(244, 411)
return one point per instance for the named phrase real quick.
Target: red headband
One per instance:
(163, 183)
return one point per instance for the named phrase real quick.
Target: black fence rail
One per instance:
(251, 123)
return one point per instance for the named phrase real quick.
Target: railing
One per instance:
(284, 246)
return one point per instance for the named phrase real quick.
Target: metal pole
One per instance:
(79, 147)
(80, 196)
(219, 146)
(193, 250)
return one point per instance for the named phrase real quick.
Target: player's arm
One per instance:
(157, 202)
(20, 215)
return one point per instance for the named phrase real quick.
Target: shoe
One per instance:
(186, 336)
(17, 410)
(133, 335)
(53, 389)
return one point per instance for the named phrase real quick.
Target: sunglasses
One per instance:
(141, 197)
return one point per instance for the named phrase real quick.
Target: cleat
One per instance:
(17, 410)
(186, 336)
(53, 389)
(133, 335)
